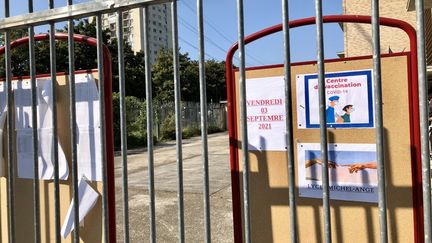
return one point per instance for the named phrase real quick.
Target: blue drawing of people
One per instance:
(330, 112)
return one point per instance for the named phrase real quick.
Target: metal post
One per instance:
(36, 189)
(73, 125)
(120, 41)
(100, 58)
(288, 121)
(243, 121)
(10, 126)
(177, 100)
(323, 120)
(382, 204)
(149, 101)
(424, 111)
(53, 72)
(203, 111)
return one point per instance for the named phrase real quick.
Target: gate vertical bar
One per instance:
(122, 89)
(288, 120)
(382, 204)
(73, 126)
(323, 120)
(243, 122)
(100, 62)
(177, 101)
(53, 72)
(424, 111)
(36, 189)
(10, 152)
(203, 110)
(149, 100)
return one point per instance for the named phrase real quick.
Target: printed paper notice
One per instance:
(24, 136)
(352, 171)
(88, 128)
(349, 100)
(265, 101)
(3, 113)
(87, 198)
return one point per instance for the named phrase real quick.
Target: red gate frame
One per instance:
(416, 169)
(107, 72)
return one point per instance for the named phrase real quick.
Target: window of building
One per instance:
(154, 30)
(127, 22)
(126, 31)
(112, 26)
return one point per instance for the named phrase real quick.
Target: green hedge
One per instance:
(136, 124)
(135, 121)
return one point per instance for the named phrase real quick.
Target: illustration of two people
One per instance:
(333, 116)
(352, 168)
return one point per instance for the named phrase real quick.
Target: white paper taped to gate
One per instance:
(265, 99)
(88, 128)
(87, 198)
(23, 126)
(349, 100)
(3, 113)
(352, 171)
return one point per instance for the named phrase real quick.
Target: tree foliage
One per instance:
(86, 58)
(85, 55)
(163, 81)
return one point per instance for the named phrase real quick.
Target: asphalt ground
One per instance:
(166, 192)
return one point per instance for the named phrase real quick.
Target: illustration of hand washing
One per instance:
(357, 172)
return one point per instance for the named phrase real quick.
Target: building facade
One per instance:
(358, 37)
(159, 28)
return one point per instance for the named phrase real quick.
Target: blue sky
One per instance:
(221, 15)
(221, 28)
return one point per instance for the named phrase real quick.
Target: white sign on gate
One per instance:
(348, 95)
(265, 100)
(352, 171)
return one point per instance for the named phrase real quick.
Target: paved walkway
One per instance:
(166, 191)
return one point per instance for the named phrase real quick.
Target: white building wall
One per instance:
(159, 28)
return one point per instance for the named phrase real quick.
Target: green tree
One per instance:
(85, 55)
(163, 82)
(86, 58)
(216, 81)
(134, 70)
